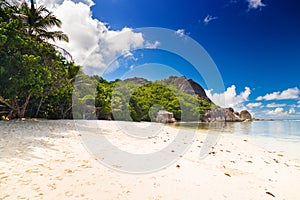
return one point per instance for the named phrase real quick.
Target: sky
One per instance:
(254, 45)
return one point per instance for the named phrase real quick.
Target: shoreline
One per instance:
(47, 160)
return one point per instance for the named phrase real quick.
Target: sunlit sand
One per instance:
(47, 160)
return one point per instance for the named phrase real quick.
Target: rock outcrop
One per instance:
(187, 86)
(245, 115)
(137, 80)
(226, 114)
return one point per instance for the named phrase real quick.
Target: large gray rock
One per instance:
(187, 86)
(225, 114)
(231, 116)
(245, 115)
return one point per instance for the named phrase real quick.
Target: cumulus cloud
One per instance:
(208, 19)
(275, 105)
(92, 43)
(150, 45)
(292, 111)
(180, 32)
(230, 98)
(278, 112)
(254, 105)
(290, 93)
(55, 3)
(254, 4)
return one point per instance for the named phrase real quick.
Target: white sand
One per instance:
(46, 160)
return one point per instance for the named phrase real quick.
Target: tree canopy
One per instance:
(35, 79)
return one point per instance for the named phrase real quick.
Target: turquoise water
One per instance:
(277, 136)
(282, 129)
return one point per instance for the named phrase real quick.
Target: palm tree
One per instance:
(37, 22)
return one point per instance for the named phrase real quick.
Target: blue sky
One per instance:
(255, 44)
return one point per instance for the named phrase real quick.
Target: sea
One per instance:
(282, 136)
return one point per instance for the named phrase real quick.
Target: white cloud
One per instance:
(208, 19)
(290, 93)
(152, 45)
(91, 42)
(55, 3)
(254, 4)
(278, 112)
(230, 98)
(254, 105)
(180, 32)
(292, 111)
(275, 105)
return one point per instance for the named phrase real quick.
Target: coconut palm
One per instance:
(38, 21)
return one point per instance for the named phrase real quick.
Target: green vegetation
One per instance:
(37, 80)
(126, 100)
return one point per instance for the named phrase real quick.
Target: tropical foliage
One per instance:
(35, 79)
(130, 101)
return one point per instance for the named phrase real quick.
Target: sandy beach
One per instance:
(48, 160)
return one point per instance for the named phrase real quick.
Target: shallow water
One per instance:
(284, 129)
(279, 135)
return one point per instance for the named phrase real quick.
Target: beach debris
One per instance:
(227, 174)
(212, 153)
(52, 186)
(4, 177)
(68, 171)
(178, 166)
(275, 160)
(249, 161)
(245, 140)
(286, 164)
(68, 194)
(279, 154)
(269, 193)
(172, 151)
